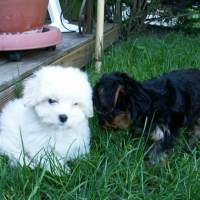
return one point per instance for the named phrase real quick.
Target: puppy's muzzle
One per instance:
(63, 118)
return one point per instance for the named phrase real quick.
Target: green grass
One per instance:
(115, 168)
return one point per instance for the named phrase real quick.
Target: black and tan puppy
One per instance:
(167, 104)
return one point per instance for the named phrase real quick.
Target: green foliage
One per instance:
(115, 168)
(187, 14)
(190, 24)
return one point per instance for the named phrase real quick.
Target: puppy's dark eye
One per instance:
(75, 104)
(51, 101)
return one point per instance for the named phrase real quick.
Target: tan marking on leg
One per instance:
(155, 155)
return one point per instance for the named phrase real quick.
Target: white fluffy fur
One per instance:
(35, 121)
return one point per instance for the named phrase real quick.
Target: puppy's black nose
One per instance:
(63, 118)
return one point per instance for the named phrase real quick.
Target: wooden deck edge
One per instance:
(78, 57)
(81, 56)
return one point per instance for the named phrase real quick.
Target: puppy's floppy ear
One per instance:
(31, 92)
(88, 108)
(109, 94)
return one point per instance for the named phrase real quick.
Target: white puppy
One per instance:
(50, 121)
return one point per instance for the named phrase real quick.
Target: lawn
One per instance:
(115, 168)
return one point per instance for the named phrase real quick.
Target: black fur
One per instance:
(167, 103)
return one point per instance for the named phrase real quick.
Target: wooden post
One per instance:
(99, 34)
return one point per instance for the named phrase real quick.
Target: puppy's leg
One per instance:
(157, 153)
(165, 140)
(194, 134)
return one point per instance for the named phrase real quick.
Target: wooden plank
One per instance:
(81, 56)
(7, 95)
(111, 37)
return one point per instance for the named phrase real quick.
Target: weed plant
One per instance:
(115, 168)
